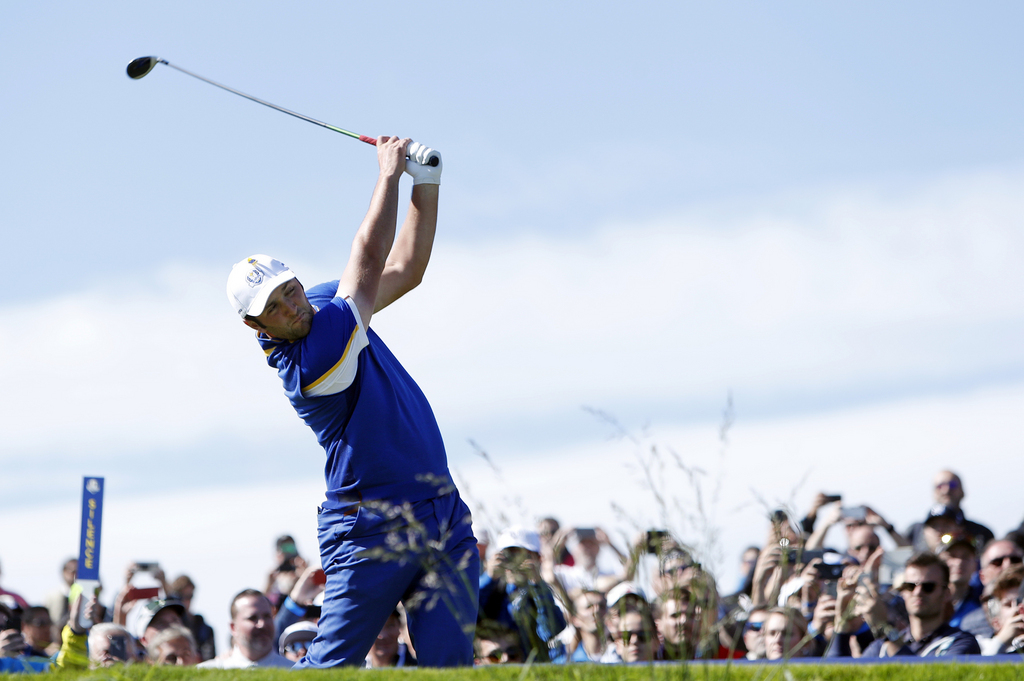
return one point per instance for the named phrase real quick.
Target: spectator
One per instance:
(183, 590)
(926, 592)
(862, 542)
(948, 495)
(1006, 615)
(37, 629)
(57, 601)
(997, 556)
(775, 563)
(748, 561)
(959, 556)
(547, 529)
(859, 517)
(295, 640)
(252, 633)
(304, 602)
(12, 643)
(288, 566)
(175, 646)
(587, 617)
(753, 632)
(111, 644)
(636, 638)
(74, 650)
(514, 595)
(687, 617)
(623, 599)
(388, 650)
(131, 595)
(496, 644)
(585, 545)
(785, 634)
(148, 618)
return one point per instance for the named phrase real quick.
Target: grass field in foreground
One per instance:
(691, 672)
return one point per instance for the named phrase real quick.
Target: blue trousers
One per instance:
(377, 554)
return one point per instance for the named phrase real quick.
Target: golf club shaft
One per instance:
(354, 135)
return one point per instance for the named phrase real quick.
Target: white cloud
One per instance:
(858, 291)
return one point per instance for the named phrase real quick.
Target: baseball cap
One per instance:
(300, 631)
(252, 280)
(942, 511)
(518, 536)
(623, 589)
(142, 614)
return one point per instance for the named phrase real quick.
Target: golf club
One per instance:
(138, 68)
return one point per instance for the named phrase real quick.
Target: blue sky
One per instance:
(814, 208)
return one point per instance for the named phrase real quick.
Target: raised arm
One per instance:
(411, 252)
(372, 243)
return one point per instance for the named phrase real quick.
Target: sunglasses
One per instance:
(926, 587)
(753, 626)
(1001, 560)
(298, 647)
(640, 637)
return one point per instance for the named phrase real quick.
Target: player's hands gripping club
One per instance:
(417, 165)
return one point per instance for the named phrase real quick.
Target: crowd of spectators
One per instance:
(946, 587)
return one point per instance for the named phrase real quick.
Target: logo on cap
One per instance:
(255, 278)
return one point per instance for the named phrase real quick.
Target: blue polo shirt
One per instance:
(374, 423)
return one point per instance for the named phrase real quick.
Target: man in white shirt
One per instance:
(252, 631)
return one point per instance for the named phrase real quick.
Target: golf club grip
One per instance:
(430, 156)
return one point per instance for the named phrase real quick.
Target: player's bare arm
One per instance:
(373, 241)
(410, 253)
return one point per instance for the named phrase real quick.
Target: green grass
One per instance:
(692, 672)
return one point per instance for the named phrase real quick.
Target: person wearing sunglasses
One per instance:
(785, 634)
(636, 639)
(926, 593)
(998, 556)
(1006, 614)
(753, 632)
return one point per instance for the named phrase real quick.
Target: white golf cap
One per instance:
(518, 536)
(623, 589)
(253, 280)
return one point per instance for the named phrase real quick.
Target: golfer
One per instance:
(393, 527)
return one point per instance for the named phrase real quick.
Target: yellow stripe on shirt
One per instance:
(348, 346)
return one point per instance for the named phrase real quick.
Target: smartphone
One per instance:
(147, 567)
(805, 556)
(833, 498)
(118, 648)
(287, 565)
(829, 572)
(136, 594)
(854, 512)
(10, 622)
(585, 533)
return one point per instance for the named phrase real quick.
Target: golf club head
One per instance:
(141, 66)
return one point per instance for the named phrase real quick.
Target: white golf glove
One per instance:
(417, 166)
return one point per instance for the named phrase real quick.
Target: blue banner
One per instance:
(92, 523)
